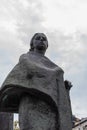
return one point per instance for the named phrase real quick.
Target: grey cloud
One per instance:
(70, 52)
(10, 50)
(68, 49)
(30, 20)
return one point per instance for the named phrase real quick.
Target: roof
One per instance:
(80, 122)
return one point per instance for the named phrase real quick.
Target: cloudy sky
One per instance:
(65, 24)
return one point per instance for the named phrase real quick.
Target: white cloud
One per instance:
(66, 15)
(70, 49)
(79, 109)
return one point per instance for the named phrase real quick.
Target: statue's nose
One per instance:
(41, 39)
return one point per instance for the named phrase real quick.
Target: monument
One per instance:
(36, 90)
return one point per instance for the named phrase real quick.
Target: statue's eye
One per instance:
(44, 39)
(38, 38)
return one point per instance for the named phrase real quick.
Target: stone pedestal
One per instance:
(6, 121)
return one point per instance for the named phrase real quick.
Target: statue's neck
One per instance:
(36, 52)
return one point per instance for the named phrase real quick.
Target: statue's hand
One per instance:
(68, 84)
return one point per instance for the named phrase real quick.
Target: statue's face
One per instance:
(40, 42)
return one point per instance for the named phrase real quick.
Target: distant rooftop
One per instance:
(80, 122)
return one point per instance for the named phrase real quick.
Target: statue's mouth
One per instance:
(41, 47)
(41, 43)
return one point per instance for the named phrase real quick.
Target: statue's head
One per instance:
(39, 42)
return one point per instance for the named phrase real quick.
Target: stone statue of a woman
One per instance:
(35, 89)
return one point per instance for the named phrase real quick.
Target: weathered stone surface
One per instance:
(6, 121)
(37, 115)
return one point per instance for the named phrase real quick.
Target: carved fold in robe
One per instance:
(36, 75)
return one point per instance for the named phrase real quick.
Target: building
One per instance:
(80, 125)
(16, 125)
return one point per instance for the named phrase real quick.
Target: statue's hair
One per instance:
(31, 42)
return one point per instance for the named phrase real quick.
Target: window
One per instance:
(85, 127)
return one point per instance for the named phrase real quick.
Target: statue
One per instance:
(35, 89)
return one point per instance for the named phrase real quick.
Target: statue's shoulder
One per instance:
(52, 64)
(23, 57)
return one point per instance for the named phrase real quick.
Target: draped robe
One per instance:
(38, 76)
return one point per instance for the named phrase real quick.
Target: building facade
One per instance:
(81, 125)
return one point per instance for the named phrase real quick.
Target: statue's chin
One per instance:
(41, 48)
